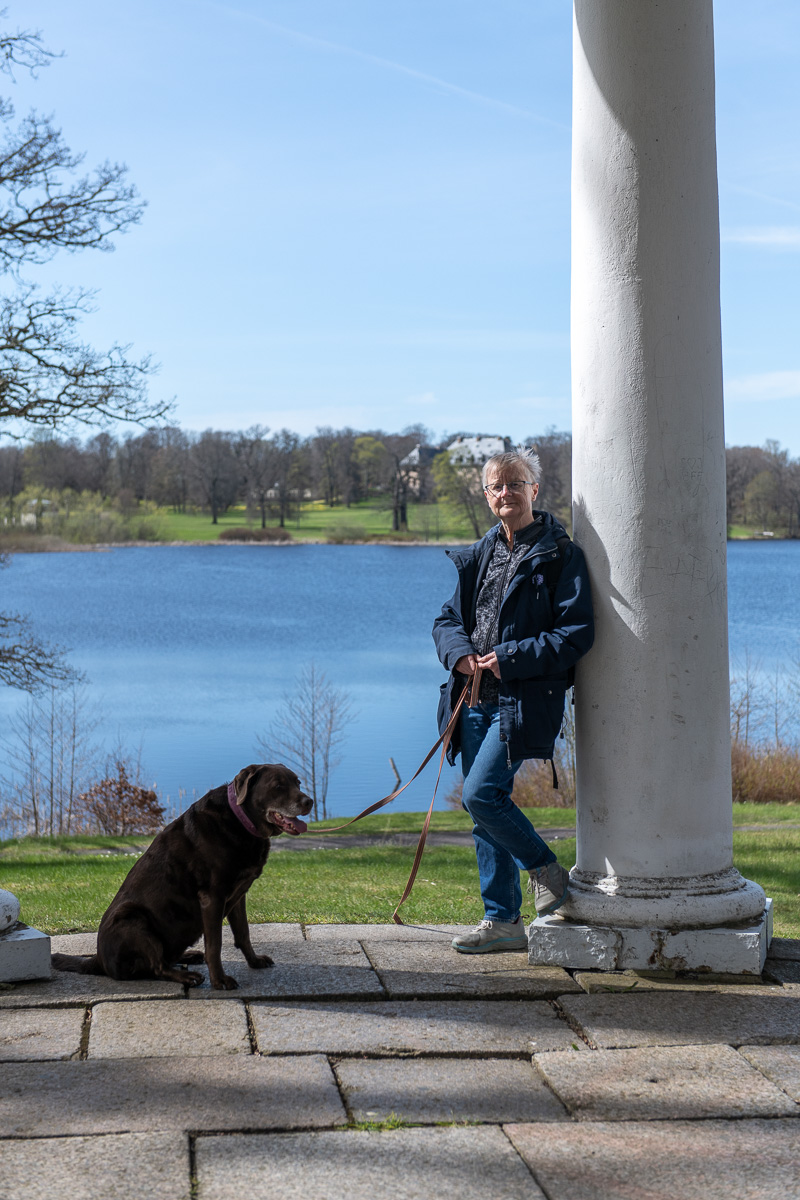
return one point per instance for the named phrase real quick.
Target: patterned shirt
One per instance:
(499, 573)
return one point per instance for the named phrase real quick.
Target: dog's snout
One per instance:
(306, 804)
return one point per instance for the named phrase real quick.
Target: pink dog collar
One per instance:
(241, 816)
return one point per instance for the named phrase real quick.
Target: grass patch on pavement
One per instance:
(64, 890)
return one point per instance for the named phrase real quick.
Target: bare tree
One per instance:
(48, 375)
(308, 731)
(256, 457)
(214, 471)
(50, 754)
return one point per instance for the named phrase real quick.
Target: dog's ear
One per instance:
(244, 781)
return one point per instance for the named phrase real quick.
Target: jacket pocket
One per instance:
(541, 710)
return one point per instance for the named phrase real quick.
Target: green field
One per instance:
(64, 884)
(318, 523)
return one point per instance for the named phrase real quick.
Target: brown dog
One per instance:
(196, 872)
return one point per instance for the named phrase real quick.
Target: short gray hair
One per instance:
(524, 461)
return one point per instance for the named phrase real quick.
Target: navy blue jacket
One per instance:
(538, 643)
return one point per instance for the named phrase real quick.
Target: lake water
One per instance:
(188, 649)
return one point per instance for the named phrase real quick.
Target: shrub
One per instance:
(245, 533)
(765, 775)
(117, 806)
(339, 535)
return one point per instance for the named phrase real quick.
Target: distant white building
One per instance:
(476, 450)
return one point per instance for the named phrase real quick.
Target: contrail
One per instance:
(387, 64)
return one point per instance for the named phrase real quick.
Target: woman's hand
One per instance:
(466, 664)
(489, 663)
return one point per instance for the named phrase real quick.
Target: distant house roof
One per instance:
(420, 455)
(477, 449)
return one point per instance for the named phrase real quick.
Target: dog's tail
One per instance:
(79, 963)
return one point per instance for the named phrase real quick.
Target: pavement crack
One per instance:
(573, 1024)
(251, 1031)
(83, 1050)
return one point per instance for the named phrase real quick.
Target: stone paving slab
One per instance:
(597, 982)
(685, 1018)
(680, 1160)
(280, 931)
(781, 1064)
(40, 1033)
(662, 1083)
(404, 1164)
(126, 1166)
(448, 1089)
(785, 948)
(785, 970)
(142, 1095)
(168, 1029)
(74, 943)
(408, 1026)
(389, 933)
(299, 971)
(63, 989)
(409, 969)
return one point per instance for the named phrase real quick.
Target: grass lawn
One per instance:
(64, 889)
(427, 523)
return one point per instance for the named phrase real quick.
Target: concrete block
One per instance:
(425, 1090)
(788, 948)
(477, 1163)
(782, 970)
(738, 951)
(662, 1160)
(415, 969)
(669, 981)
(686, 1018)
(300, 971)
(662, 1083)
(734, 950)
(142, 1095)
(24, 954)
(67, 990)
(781, 1064)
(407, 1026)
(9, 910)
(168, 1029)
(556, 942)
(124, 1166)
(389, 933)
(31, 1034)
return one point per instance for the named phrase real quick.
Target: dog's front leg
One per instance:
(211, 908)
(237, 919)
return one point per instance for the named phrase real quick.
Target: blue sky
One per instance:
(358, 212)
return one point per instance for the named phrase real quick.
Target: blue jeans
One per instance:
(505, 841)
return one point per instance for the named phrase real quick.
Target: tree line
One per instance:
(272, 472)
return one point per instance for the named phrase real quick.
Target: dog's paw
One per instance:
(192, 956)
(227, 984)
(260, 960)
(192, 978)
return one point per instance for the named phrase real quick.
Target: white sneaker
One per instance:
(492, 935)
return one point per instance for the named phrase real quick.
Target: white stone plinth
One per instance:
(9, 910)
(733, 949)
(24, 954)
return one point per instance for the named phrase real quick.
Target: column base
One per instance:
(24, 954)
(733, 949)
(686, 902)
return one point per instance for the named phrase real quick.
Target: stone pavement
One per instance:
(372, 1061)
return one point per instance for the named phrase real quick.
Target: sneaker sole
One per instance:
(517, 943)
(551, 908)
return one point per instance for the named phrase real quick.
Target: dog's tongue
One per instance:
(295, 826)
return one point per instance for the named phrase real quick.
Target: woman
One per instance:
(518, 621)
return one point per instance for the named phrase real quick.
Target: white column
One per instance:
(654, 820)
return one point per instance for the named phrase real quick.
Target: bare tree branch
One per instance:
(26, 662)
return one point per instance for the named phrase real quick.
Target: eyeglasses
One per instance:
(516, 486)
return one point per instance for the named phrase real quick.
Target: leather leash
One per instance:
(444, 742)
